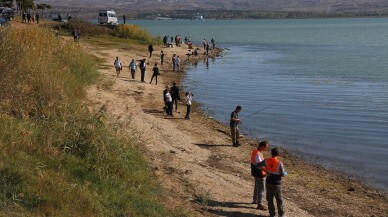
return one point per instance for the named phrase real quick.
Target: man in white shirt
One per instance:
(168, 99)
(189, 98)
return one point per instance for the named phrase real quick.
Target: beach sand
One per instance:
(194, 159)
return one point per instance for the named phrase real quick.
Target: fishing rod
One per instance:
(259, 111)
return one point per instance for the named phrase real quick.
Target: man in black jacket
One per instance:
(175, 95)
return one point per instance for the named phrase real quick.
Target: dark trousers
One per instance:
(161, 61)
(175, 101)
(142, 75)
(156, 78)
(169, 108)
(274, 191)
(188, 111)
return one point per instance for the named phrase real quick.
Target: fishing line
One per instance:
(262, 109)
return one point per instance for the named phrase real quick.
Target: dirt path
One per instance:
(195, 161)
(185, 154)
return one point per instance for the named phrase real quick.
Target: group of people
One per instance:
(133, 68)
(176, 39)
(27, 17)
(171, 96)
(267, 172)
(176, 63)
(206, 46)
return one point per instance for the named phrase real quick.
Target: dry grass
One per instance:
(58, 158)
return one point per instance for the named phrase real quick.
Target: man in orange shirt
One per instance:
(275, 171)
(258, 174)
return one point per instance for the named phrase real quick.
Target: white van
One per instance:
(107, 17)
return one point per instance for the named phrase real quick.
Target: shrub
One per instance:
(86, 28)
(133, 32)
(57, 158)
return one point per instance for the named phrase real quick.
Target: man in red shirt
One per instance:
(259, 175)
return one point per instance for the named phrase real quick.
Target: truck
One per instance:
(107, 17)
(7, 13)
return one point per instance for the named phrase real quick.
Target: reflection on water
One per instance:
(327, 80)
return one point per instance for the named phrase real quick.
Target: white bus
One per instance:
(107, 17)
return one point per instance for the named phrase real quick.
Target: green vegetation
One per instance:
(131, 33)
(57, 157)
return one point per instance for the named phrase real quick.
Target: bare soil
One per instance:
(195, 161)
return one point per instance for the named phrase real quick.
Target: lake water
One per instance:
(323, 82)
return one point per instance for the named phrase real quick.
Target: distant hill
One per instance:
(262, 5)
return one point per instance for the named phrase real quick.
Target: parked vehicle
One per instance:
(7, 13)
(3, 22)
(107, 17)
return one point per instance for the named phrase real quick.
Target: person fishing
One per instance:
(234, 130)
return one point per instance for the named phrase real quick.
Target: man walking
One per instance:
(258, 174)
(124, 18)
(142, 66)
(161, 57)
(133, 67)
(275, 171)
(234, 122)
(168, 101)
(150, 49)
(155, 73)
(175, 96)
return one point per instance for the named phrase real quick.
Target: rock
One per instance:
(351, 189)
(172, 151)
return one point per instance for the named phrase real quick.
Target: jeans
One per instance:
(274, 191)
(259, 190)
(235, 132)
(142, 75)
(175, 101)
(188, 111)
(156, 77)
(169, 108)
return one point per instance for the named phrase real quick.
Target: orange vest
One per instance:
(256, 152)
(253, 156)
(272, 166)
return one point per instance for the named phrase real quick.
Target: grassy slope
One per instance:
(57, 157)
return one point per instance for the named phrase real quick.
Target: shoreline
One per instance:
(313, 189)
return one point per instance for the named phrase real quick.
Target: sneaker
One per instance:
(261, 207)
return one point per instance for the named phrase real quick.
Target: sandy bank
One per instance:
(194, 159)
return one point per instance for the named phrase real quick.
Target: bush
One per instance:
(133, 32)
(86, 28)
(57, 158)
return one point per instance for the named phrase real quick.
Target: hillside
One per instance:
(262, 5)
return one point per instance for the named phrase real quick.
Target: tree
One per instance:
(24, 5)
(43, 7)
(6, 3)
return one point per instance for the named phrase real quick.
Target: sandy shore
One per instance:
(194, 160)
